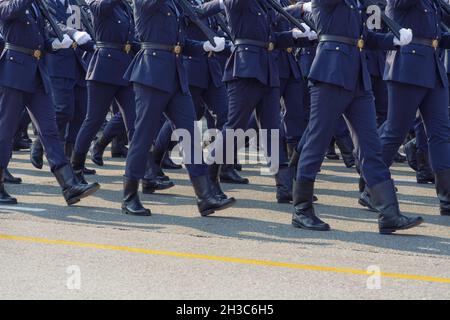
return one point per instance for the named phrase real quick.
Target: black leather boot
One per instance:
(37, 154)
(345, 145)
(118, 147)
(238, 167)
(78, 164)
(8, 178)
(384, 200)
(97, 149)
(304, 216)
(73, 191)
(361, 184)
(214, 173)
(19, 143)
(229, 175)
(443, 191)
(411, 154)
(284, 180)
(424, 173)
(131, 204)
(5, 198)
(167, 163)
(207, 201)
(151, 183)
(366, 201)
(399, 158)
(331, 153)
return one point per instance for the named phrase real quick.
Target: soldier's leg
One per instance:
(434, 111)
(404, 100)
(100, 97)
(344, 142)
(361, 116)
(424, 174)
(77, 119)
(11, 106)
(63, 96)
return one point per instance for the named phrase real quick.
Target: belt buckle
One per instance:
(127, 48)
(435, 44)
(37, 54)
(74, 45)
(289, 50)
(177, 49)
(210, 54)
(270, 46)
(361, 44)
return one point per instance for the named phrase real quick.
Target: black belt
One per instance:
(250, 42)
(34, 53)
(177, 49)
(434, 43)
(112, 45)
(350, 41)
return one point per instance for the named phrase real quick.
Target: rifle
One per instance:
(223, 25)
(444, 6)
(278, 8)
(85, 19)
(42, 5)
(192, 15)
(390, 23)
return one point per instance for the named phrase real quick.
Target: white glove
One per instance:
(66, 43)
(220, 45)
(81, 37)
(307, 7)
(311, 35)
(406, 36)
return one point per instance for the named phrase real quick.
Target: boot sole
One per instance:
(211, 211)
(37, 166)
(233, 181)
(85, 194)
(147, 214)
(14, 201)
(13, 181)
(284, 201)
(409, 226)
(301, 226)
(152, 190)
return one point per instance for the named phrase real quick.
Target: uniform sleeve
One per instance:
(377, 41)
(445, 41)
(193, 48)
(12, 9)
(103, 7)
(403, 4)
(209, 9)
(149, 7)
(237, 4)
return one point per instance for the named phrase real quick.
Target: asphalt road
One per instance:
(90, 251)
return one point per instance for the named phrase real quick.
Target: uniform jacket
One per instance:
(249, 20)
(338, 63)
(113, 22)
(21, 24)
(418, 64)
(159, 22)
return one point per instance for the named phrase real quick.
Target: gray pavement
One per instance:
(90, 251)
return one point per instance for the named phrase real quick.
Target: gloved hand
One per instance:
(81, 37)
(406, 36)
(297, 34)
(66, 43)
(220, 45)
(307, 7)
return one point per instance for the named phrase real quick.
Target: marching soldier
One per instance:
(24, 82)
(159, 77)
(115, 36)
(340, 84)
(417, 81)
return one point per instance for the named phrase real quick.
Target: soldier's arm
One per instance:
(12, 9)
(380, 41)
(445, 41)
(209, 9)
(236, 4)
(403, 4)
(103, 7)
(193, 48)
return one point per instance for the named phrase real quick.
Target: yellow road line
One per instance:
(194, 256)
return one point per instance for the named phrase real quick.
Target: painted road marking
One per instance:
(243, 261)
(26, 209)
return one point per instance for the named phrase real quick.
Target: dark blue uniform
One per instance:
(115, 39)
(417, 80)
(24, 80)
(341, 84)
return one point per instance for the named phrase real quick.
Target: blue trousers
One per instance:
(328, 103)
(115, 127)
(151, 104)
(404, 101)
(295, 115)
(248, 96)
(100, 98)
(42, 113)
